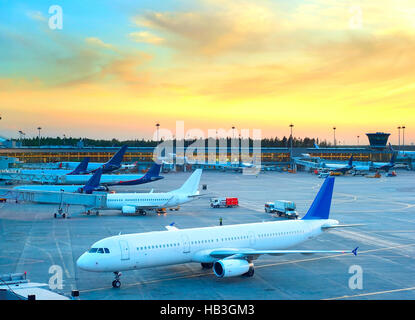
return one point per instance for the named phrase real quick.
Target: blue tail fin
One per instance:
(154, 171)
(81, 168)
(320, 209)
(94, 182)
(117, 158)
(351, 161)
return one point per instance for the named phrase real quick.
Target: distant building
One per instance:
(7, 143)
(378, 140)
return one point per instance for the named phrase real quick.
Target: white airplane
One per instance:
(142, 202)
(336, 167)
(229, 250)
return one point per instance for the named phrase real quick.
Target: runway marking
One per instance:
(371, 293)
(260, 266)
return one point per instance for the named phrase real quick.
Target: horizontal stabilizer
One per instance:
(172, 227)
(340, 226)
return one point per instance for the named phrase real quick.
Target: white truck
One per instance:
(282, 208)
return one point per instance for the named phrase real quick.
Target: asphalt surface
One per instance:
(32, 241)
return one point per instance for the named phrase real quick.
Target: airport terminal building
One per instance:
(377, 151)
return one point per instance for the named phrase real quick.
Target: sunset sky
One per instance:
(118, 67)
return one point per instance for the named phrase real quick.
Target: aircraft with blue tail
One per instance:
(229, 250)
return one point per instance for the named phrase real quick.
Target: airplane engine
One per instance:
(128, 209)
(232, 268)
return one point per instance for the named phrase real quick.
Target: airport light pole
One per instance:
(403, 138)
(399, 137)
(291, 142)
(157, 128)
(39, 128)
(358, 140)
(334, 131)
(233, 132)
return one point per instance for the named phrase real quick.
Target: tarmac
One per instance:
(32, 241)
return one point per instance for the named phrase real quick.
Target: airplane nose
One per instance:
(82, 262)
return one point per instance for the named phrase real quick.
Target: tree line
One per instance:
(276, 142)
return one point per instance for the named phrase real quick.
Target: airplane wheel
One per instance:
(97, 213)
(144, 213)
(54, 215)
(207, 265)
(64, 215)
(116, 284)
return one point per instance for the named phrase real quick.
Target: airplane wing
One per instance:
(254, 254)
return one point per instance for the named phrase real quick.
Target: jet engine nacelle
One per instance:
(231, 267)
(128, 209)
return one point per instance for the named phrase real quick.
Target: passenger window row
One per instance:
(159, 246)
(264, 235)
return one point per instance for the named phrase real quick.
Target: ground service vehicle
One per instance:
(224, 202)
(282, 208)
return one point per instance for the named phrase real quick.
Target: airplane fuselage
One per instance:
(151, 249)
(146, 200)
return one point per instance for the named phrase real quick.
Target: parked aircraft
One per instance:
(113, 164)
(107, 180)
(142, 202)
(93, 184)
(385, 166)
(229, 250)
(343, 168)
(153, 174)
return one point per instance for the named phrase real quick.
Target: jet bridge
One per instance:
(63, 199)
(39, 177)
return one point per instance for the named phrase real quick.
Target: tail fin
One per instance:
(191, 185)
(351, 161)
(94, 182)
(117, 158)
(81, 168)
(154, 171)
(316, 146)
(390, 147)
(320, 209)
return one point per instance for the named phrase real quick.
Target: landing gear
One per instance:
(63, 212)
(142, 212)
(250, 272)
(117, 283)
(207, 265)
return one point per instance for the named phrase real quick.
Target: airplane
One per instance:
(343, 168)
(130, 203)
(82, 167)
(229, 250)
(115, 162)
(385, 166)
(93, 184)
(107, 180)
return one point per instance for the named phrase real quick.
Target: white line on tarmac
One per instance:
(371, 293)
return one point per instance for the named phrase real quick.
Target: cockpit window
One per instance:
(93, 250)
(107, 250)
(100, 250)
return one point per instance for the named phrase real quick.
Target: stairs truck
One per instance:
(282, 208)
(224, 202)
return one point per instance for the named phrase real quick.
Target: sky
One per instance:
(116, 68)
